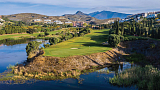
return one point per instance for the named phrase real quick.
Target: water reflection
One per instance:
(11, 53)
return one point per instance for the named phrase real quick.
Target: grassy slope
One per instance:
(90, 43)
(17, 36)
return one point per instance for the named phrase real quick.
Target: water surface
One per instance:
(12, 54)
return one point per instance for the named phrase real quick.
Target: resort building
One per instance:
(37, 20)
(78, 24)
(58, 22)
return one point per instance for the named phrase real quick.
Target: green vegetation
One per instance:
(88, 44)
(114, 39)
(135, 58)
(32, 47)
(145, 78)
(53, 40)
(21, 36)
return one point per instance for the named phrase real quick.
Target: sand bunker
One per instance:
(74, 48)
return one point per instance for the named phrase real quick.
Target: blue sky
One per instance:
(60, 7)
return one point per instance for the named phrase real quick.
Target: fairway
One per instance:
(88, 44)
(18, 36)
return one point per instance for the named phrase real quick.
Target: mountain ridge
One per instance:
(107, 14)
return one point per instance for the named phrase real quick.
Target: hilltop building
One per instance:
(58, 22)
(37, 20)
(68, 22)
(78, 24)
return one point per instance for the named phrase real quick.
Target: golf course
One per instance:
(88, 44)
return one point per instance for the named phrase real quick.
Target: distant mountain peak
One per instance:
(80, 13)
(108, 14)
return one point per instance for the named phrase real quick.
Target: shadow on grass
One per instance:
(99, 40)
(94, 44)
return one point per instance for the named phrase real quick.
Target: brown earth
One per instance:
(149, 48)
(70, 66)
(42, 66)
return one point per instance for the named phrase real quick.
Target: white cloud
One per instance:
(125, 6)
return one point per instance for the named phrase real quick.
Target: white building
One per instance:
(152, 16)
(1, 19)
(58, 22)
(37, 20)
(47, 20)
(50, 22)
(68, 22)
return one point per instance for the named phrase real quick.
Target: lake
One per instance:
(12, 54)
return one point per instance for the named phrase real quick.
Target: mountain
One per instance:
(80, 13)
(28, 17)
(107, 15)
(79, 16)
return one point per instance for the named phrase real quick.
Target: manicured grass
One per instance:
(18, 36)
(88, 44)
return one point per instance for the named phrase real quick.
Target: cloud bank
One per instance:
(124, 6)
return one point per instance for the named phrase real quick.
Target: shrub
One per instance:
(34, 45)
(60, 39)
(75, 35)
(53, 40)
(46, 33)
(152, 46)
(145, 78)
(111, 31)
(126, 39)
(57, 33)
(81, 34)
(114, 39)
(66, 37)
(46, 45)
(40, 35)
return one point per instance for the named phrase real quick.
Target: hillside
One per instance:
(108, 15)
(80, 16)
(28, 17)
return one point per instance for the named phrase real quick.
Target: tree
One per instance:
(122, 27)
(31, 31)
(32, 46)
(2, 32)
(158, 16)
(53, 40)
(114, 39)
(46, 33)
(117, 27)
(85, 24)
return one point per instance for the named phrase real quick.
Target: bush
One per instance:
(33, 45)
(81, 34)
(57, 33)
(75, 35)
(46, 45)
(46, 33)
(111, 31)
(126, 39)
(53, 40)
(152, 46)
(60, 39)
(145, 78)
(134, 38)
(40, 35)
(114, 39)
